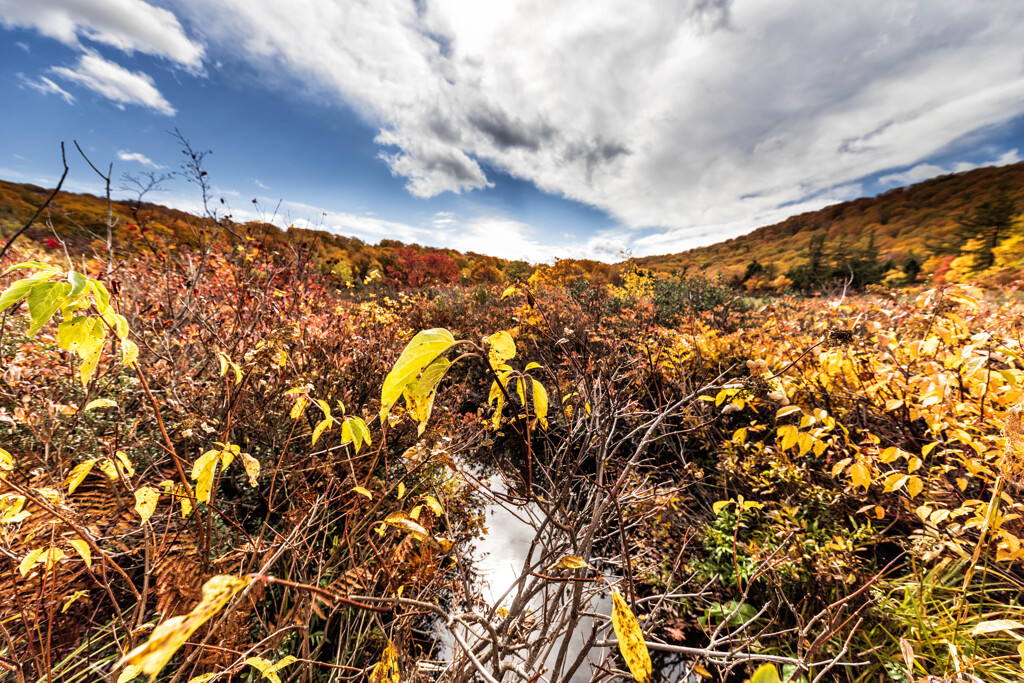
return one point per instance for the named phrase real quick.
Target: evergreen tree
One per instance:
(986, 226)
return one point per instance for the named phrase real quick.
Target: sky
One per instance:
(533, 129)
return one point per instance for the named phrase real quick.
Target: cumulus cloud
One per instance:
(127, 25)
(137, 157)
(48, 87)
(921, 172)
(691, 115)
(116, 83)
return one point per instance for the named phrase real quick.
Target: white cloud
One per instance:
(705, 117)
(48, 87)
(921, 172)
(137, 157)
(128, 25)
(116, 83)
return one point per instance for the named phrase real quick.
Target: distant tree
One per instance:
(986, 226)
(518, 270)
(911, 266)
(486, 272)
(411, 268)
(753, 268)
(815, 272)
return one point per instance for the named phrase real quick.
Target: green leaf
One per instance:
(100, 294)
(355, 431)
(16, 292)
(43, 301)
(70, 333)
(78, 282)
(32, 264)
(424, 348)
(419, 396)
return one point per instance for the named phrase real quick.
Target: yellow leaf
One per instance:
(12, 509)
(719, 505)
(129, 352)
(186, 502)
(415, 514)
(324, 424)
(202, 471)
(83, 549)
(269, 669)
(914, 486)
(766, 673)
(895, 481)
(401, 491)
(362, 491)
(838, 468)
(131, 671)
(498, 398)
(631, 639)
(325, 408)
(569, 562)
(789, 435)
(99, 403)
(860, 475)
(252, 468)
(419, 394)
(166, 638)
(386, 670)
(300, 406)
(697, 669)
(71, 600)
(787, 410)
(30, 561)
(52, 557)
(500, 348)
(995, 626)
(145, 502)
(509, 291)
(124, 464)
(225, 363)
(540, 403)
(6, 461)
(202, 678)
(434, 505)
(78, 474)
(402, 521)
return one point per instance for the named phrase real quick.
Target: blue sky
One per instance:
(524, 129)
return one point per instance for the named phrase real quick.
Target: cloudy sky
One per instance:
(521, 128)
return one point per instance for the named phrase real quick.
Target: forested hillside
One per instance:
(949, 228)
(143, 227)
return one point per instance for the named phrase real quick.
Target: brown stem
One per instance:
(169, 445)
